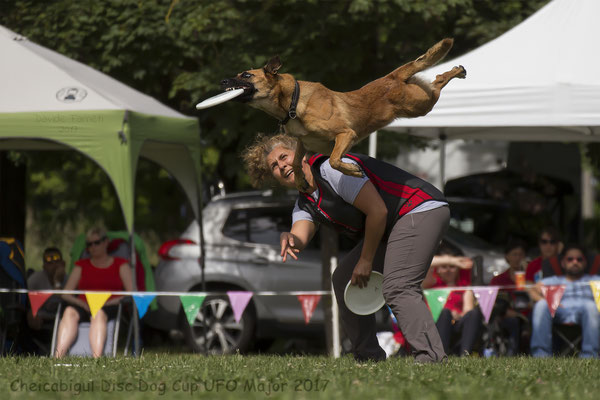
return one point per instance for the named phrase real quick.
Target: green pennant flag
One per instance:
(436, 298)
(191, 306)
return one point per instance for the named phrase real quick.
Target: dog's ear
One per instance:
(273, 66)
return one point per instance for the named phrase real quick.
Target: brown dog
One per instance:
(325, 117)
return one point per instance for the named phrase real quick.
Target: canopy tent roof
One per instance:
(540, 79)
(50, 102)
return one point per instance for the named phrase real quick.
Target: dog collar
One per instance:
(292, 112)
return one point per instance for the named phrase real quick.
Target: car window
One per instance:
(264, 225)
(258, 225)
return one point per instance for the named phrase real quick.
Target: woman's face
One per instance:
(548, 246)
(515, 257)
(447, 273)
(280, 162)
(96, 245)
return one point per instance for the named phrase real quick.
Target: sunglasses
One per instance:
(52, 257)
(571, 259)
(548, 241)
(95, 242)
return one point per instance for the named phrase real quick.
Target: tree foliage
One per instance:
(179, 51)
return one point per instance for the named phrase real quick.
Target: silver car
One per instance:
(241, 233)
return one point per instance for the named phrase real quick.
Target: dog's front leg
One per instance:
(299, 178)
(343, 143)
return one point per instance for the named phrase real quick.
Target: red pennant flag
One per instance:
(37, 300)
(553, 295)
(309, 303)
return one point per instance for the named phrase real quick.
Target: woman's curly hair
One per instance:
(255, 156)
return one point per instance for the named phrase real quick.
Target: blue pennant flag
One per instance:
(142, 301)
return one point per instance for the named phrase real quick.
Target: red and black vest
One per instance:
(401, 192)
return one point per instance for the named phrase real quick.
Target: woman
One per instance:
(460, 323)
(100, 272)
(397, 218)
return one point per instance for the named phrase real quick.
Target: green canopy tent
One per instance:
(51, 102)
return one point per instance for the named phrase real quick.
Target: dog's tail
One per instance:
(429, 59)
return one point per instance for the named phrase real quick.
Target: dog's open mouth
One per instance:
(232, 84)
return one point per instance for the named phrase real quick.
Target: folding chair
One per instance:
(566, 339)
(81, 345)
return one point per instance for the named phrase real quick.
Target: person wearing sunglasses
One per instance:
(550, 246)
(577, 306)
(51, 276)
(100, 272)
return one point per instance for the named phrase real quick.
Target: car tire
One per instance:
(223, 334)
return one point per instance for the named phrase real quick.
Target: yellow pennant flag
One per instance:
(96, 300)
(596, 290)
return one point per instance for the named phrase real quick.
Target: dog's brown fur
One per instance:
(331, 122)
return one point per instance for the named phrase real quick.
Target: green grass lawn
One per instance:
(189, 376)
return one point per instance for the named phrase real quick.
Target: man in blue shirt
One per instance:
(577, 306)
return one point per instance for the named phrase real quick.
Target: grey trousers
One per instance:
(404, 261)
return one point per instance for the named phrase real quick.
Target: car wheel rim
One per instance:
(223, 333)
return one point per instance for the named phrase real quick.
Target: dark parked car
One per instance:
(241, 234)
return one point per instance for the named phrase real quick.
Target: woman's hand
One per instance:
(288, 246)
(361, 273)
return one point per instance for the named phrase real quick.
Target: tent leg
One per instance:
(442, 161)
(136, 322)
(201, 244)
(373, 145)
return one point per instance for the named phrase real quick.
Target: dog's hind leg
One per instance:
(343, 143)
(442, 80)
(430, 58)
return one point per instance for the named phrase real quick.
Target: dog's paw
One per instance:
(349, 169)
(462, 74)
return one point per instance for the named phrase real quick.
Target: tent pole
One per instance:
(373, 145)
(442, 138)
(136, 323)
(200, 222)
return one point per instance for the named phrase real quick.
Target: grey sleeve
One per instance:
(346, 186)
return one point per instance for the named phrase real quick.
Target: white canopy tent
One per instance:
(51, 102)
(537, 82)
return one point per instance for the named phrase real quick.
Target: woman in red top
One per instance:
(460, 323)
(550, 246)
(101, 272)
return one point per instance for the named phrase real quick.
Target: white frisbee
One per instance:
(220, 98)
(367, 300)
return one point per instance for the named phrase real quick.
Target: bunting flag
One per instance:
(436, 299)
(37, 300)
(309, 303)
(191, 306)
(486, 297)
(553, 295)
(239, 301)
(96, 300)
(142, 301)
(596, 290)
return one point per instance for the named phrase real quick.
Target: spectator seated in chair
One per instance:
(101, 272)
(550, 245)
(577, 306)
(460, 323)
(50, 277)
(512, 306)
